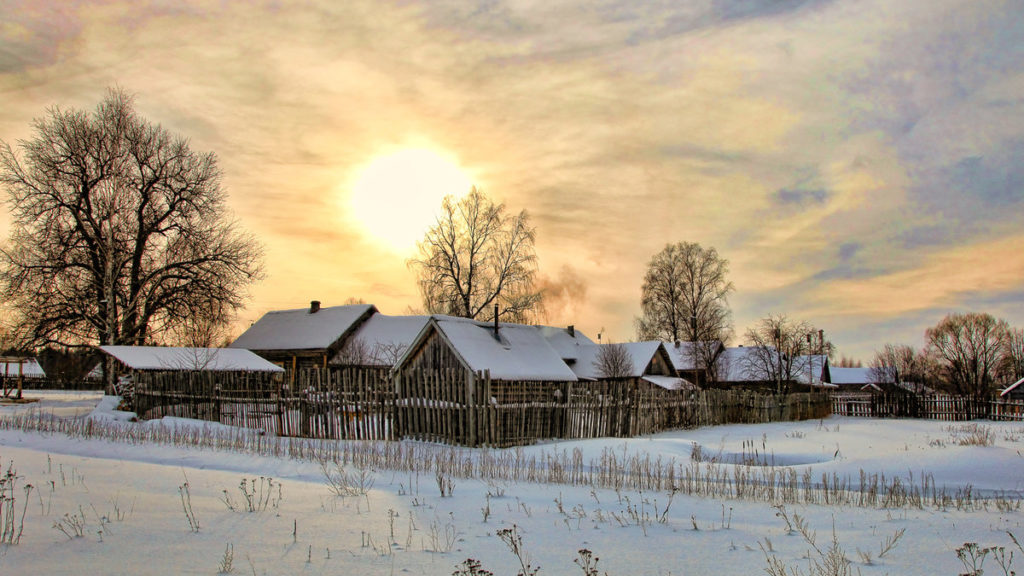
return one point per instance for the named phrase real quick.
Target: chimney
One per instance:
(496, 322)
(314, 306)
(572, 330)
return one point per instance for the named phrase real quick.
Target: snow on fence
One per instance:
(453, 406)
(933, 407)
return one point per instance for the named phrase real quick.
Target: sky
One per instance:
(860, 164)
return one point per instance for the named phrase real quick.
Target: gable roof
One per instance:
(566, 343)
(1012, 387)
(519, 353)
(810, 368)
(385, 339)
(30, 368)
(641, 353)
(735, 364)
(201, 359)
(850, 376)
(301, 329)
(683, 354)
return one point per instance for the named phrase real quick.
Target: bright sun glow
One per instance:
(396, 197)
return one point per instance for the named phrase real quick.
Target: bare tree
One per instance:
(120, 230)
(1011, 369)
(477, 256)
(779, 350)
(613, 361)
(685, 298)
(970, 347)
(899, 363)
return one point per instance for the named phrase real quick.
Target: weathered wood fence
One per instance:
(337, 404)
(932, 407)
(453, 406)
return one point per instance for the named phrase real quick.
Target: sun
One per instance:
(396, 197)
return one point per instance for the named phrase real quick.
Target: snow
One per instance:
(387, 337)
(567, 344)
(129, 495)
(30, 368)
(520, 353)
(641, 354)
(207, 359)
(301, 330)
(668, 382)
(849, 376)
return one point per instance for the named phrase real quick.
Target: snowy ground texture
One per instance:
(124, 506)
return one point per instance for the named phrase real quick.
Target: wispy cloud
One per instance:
(859, 163)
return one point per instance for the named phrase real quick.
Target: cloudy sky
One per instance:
(859, 163)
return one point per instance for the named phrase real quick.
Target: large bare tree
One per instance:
(685, 297)
(970, 347)
(120, 230)
(476, 256)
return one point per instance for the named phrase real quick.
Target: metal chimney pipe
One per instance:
(496, 321)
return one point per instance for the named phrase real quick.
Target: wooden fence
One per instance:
(932, 407)
(452, 406)
(338, 404)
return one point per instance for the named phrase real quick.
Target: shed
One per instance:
(379, 341)
(172, 359)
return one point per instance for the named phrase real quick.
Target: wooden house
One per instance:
(379, 341)
(649, 362)
(305, 337)
(468, 382)
(697, 362)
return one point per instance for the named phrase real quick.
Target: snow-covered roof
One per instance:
(381, 340)
(850, 376)
(520, 353)
(30, 368)
(670, 382)
(302, 329)
(1012, 387)
(205, 359)
(641, 354)
(683, 354)
(735, 364)
(810, 368)
(566, 341)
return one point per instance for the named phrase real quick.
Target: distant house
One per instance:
(649, 362)
(811, 369)
(697, 362)
(747, 366)
(305, 337)
(851, 379)
(379, 341)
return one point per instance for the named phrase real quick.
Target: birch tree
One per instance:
(475, 256)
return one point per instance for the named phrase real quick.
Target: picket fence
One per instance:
(453, 406)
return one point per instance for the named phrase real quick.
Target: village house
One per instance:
(306, 337)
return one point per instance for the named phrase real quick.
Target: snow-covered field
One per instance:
(117, 507)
